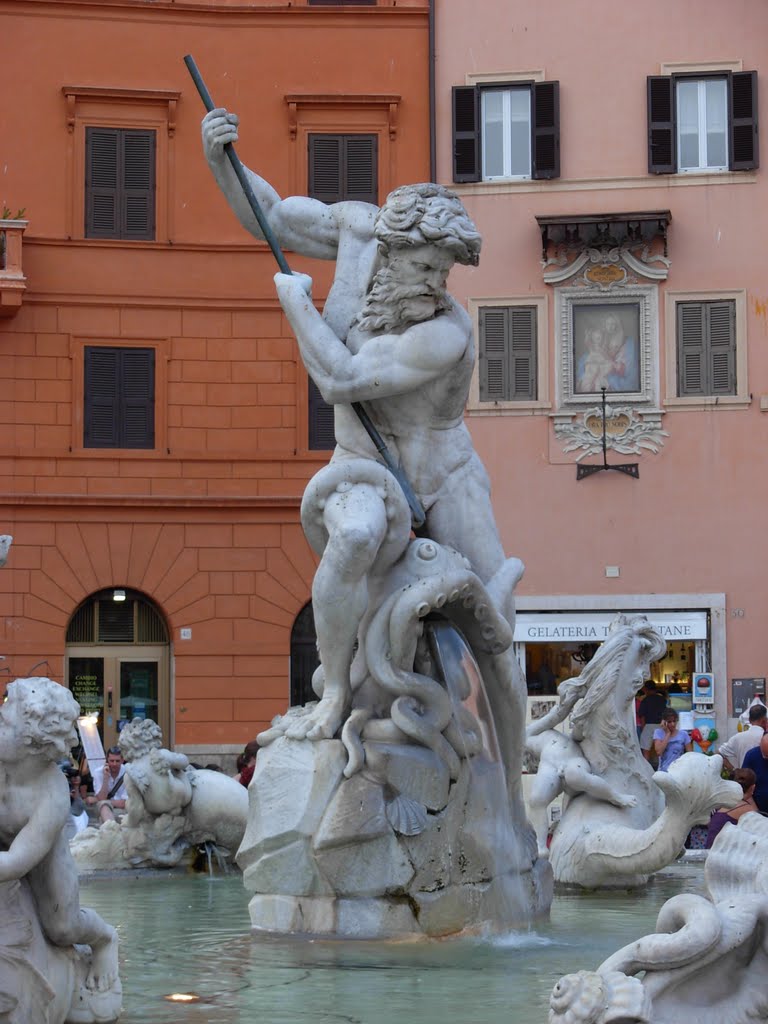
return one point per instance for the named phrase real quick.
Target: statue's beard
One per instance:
(392, 303)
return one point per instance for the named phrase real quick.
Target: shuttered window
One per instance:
(506, 131)
(343, 167)
(706, 348)
(507, 353)
(321, 435)
(119, 183)
(119, 389)
(702, 123)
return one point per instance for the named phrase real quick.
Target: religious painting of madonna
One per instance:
(606, 348)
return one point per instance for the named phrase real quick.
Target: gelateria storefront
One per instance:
(553, 646)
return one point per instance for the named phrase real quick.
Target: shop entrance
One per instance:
(118, 662)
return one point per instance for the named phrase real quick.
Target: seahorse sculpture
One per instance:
(620, 822)
(707, 957)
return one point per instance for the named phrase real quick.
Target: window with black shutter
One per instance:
(119, 390)
(702, 123)
(320, 418)
(706, 348)
(507, 354)
(119, 183)
(343, 167)
(506, 131)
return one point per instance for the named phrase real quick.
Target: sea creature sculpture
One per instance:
(705, 959)
(620, 822)
(171, 807)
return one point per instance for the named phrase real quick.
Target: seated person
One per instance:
(730, 815)
(77, 812)
(109, 792)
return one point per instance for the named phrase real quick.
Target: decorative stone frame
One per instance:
(94, 106)
(343, 113)
(566, 300)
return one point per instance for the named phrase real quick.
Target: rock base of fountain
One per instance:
(398, 850)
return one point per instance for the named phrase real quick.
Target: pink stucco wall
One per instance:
(695, 520)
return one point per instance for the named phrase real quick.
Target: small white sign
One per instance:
(185, 632)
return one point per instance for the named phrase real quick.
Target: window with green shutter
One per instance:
(119, 183)
(706, 348)
(343, 167)
(507, 354)
(702, 122)
(119, 390)
(506, 131)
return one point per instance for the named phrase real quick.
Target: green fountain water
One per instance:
(189, 935)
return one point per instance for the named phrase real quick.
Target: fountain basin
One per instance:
(190, 935)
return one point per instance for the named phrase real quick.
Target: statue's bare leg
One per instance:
(56, 889)
(356, 522)
(579, 779)
(462, 518)
(547, 785)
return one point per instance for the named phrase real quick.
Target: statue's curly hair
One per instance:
(46, 718)
(139, 737)
(430, 214)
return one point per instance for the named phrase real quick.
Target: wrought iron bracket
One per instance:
(628, 468)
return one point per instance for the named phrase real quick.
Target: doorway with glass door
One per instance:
(118, 663)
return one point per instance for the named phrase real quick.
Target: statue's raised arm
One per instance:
(299, 223)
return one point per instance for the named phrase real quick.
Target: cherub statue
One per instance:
(37, 729)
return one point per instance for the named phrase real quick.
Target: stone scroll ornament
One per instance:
(706, 959)
(621, 821)
(58, 960)
(172, 808)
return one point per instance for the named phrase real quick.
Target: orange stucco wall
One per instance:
(207, 524)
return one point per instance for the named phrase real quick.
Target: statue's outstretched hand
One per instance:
(286, 282)
(218, 128)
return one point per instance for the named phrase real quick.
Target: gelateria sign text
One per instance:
(592, 627)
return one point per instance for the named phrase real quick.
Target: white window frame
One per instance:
(542, 404)
(506, 94)
(673, 401)
(703, 166)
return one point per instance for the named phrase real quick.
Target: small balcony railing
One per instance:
(12, 280)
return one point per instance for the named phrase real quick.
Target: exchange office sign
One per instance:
(593, 627)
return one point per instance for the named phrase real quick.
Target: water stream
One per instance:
(189, 934)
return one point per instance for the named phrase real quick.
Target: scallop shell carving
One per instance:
(406, 816)
(734, 864)
(591, 998)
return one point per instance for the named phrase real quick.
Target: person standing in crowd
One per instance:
(746, 778)
(669, 741)
(109, 792)
(735, 749)
(756, 759)
(246, 763)
(649, 712)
